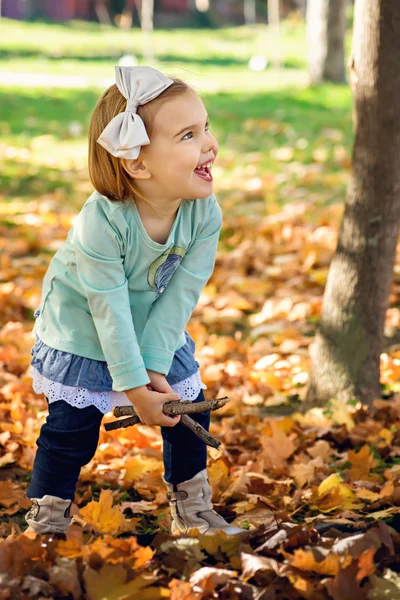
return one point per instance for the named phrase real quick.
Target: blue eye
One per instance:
(190, 133)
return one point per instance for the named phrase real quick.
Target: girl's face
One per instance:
(181, 152)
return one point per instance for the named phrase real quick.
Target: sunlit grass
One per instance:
(89, 41)
(279, 139)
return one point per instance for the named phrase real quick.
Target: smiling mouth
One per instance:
(204, 171)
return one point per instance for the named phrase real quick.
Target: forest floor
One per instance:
(318, 492)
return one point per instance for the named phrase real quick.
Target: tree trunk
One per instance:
(346, 352)
(126, 18)
(326, 26)
(102, 13)
(274, 33)
(302, 7)
(146, 21)
(250, 12)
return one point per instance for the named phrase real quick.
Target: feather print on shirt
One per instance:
(162, 269)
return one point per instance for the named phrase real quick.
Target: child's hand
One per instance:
(159, 383)
(149, 404)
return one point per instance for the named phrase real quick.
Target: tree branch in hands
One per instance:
(182, 407)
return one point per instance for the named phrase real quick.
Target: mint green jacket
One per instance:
(112, 293)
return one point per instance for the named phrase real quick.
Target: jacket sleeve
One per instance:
(100, 267)
(171, 312)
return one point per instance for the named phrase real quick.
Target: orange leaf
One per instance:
(306, 561)
(366, 564)
(11, 493)
(72, 546)
(116, 551)
(387, 490)
(361, 463)
(101, 515)
(267, 378)
(278, 446)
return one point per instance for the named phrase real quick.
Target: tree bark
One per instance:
(326, 26)
(126, 17)
(274, 33)
(250, 12)
(102, 13)
(146, 21)
(346, 352)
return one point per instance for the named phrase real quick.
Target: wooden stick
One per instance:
(203, 434)
(177, 407)
(122, 423)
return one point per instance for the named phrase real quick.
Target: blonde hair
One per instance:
(106, 172)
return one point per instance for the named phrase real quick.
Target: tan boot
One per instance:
(191, 506)
(49, 514)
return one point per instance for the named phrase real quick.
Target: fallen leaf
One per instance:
(361, 464)
(101, 516)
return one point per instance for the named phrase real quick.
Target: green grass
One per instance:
(212, 60)
(220, 55)
(255, 116)
(88, 41)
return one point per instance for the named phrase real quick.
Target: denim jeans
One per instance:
(68, 441)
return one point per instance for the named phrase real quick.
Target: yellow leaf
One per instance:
(334, 494)
(138, 466)
(341, 414)
(286, 424)
(383, 514)
(368, 495)
(386, 435)
(109, 583)
(329, 483)
(101, 515)
(218, 474)
(349, 498)
(220, 542)
(329, 501)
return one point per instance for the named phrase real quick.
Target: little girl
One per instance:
(118, 294)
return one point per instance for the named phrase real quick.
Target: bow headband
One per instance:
(125, 134)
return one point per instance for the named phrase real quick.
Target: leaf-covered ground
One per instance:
(319, 493)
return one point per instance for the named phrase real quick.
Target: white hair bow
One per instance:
(126, 134)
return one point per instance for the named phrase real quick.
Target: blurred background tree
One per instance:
(326, 26)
